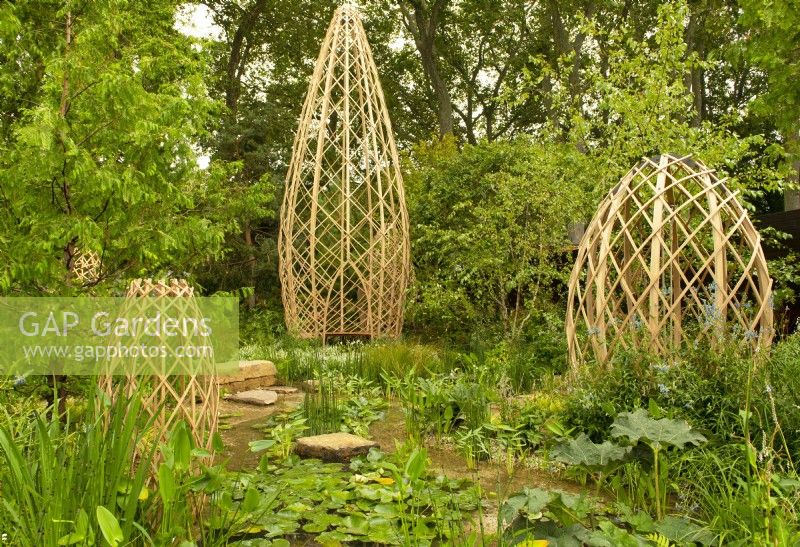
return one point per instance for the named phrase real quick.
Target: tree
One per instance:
(100, 153)
(489, 229)
(772, 44)
(422, 20)
(637, 104)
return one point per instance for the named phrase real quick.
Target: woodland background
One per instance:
(165, 153)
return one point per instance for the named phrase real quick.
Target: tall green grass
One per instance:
(54, 475)
(322, 408)
(373, 361)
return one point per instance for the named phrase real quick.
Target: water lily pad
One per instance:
(333, 538)
(385, 510)
(355, 524)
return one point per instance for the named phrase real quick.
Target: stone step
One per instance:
(260, 397)
(250, 375)
(284, 390)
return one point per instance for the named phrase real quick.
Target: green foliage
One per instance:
(109, 526)
(533, 357)
(100, 153)
(386, 500)
(569, 519)
(283, 433)
(374, 362)
(439, 404)
(489, 231)
(705, 386)
(582, 451)
(598, 460)
(323, 407)
(658, 434)
(339, 404)
(638, 102)
(771, 45)
(54, 479)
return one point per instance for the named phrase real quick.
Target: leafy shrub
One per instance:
(536, 354)
(705, 386)
(490, 224)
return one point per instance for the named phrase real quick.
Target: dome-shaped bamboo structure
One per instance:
(669, 258)
(344, 245)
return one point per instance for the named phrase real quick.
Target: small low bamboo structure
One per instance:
(85, 266)
(344, 243)
(669, 258)
(169, 390)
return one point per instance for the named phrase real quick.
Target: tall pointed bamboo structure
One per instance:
(669, 258)
(344, 243)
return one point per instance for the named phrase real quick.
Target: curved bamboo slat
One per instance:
(344, 243)
(670, 258)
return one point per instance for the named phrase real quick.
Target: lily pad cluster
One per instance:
(374, 499)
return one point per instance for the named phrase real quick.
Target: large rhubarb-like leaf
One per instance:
(582, 451)
(638, 425)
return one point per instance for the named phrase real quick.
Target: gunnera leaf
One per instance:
(582, 451)
(638, 425)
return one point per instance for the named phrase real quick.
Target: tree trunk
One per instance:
(694, 77)
(422, 25)
(251, 262)
(791, 198)
(235, 70)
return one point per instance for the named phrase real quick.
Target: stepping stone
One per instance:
(283, 390)
(250, 375)
(261, 397)
(333, 447)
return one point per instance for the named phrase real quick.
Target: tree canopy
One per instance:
(514, 119)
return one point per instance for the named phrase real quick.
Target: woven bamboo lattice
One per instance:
(669, 258)
(85, 266)
(170, 389)
(344, 244)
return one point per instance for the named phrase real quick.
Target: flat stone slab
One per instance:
(284, 390)
(333, 447)
(250, 375)
(261, 397)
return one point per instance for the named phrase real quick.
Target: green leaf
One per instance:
(72, 538)
(355, 524)
(264, 444)
(582, 451)
(181, 444)
(682, 531)
(252, 498)
(638, 425)
(216, 443)
(109, 526)
(530, 504)
(416, 464)
(166, 484)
